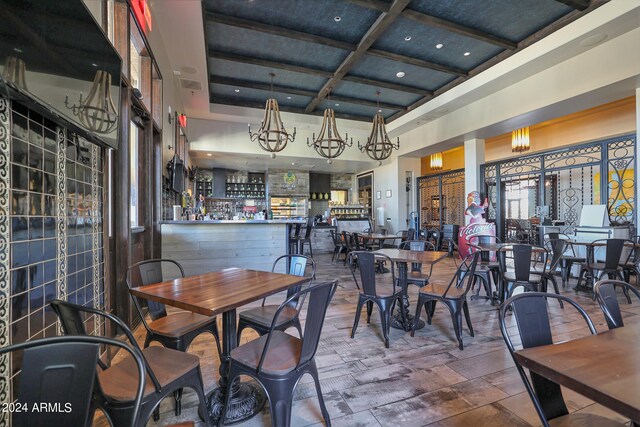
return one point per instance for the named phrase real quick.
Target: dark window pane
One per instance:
(19, 280)
(19, 254)
(35, 156)
(19, 151)
(36, 230)
(19, 228)
(35, 181)
(19, 177)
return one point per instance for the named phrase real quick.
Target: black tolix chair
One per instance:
(605, 291)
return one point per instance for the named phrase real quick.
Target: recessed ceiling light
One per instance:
(439, 46)
(288, 97)
(237, 90)
(16, 49)
(380, 111)
(337, 18)
(94, 64)
(337, 105)
(400, 74)
(467, 53)
(407, 38)
(209, 154)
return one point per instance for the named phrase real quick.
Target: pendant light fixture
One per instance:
(329, 143)
(14, 71)
(97, 112)
(379, 146)
(520, 140)
(435, 161)
(272, 136)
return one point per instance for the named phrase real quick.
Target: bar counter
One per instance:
(204, 246)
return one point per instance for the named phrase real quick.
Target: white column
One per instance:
(637, 169)
(473, 158)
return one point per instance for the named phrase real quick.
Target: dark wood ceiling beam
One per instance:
(215, 54)
(433, 21)
(379, 26)
(576, 4)
(294, 91)
(260, 105)
(278, 31)
(418, 62)
(388, 85)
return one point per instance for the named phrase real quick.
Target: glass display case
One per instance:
(288, 207)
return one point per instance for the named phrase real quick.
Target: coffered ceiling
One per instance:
(338, 54)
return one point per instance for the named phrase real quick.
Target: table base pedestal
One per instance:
(396, 322)
(246, 401)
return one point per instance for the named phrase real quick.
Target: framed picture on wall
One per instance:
(378, 195)
(388, 194)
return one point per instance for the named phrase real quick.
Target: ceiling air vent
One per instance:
(190, 84)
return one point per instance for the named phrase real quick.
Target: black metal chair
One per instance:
(347, 239)
(278, 360)
(449, 240)
(168, 370)
(611, 266)
(568, 258)
(453, 296)
(558, 248)
(176, 330)
(261, 318)
(339, 247)
(531, 314)
(294, 237)
(487, 270)
(415, 276)
(605, 291)
(62, 371)
(632, 265)
(370, 294)
(306, 239)
(522, 273)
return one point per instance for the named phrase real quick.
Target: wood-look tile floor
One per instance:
(420, 381)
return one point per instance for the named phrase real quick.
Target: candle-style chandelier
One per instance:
(272, 136)
(329, 143)
(520, 140)
(14, 72)
(379, 146)
(97, 112)
(435, 161)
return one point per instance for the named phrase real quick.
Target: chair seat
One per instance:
(533, 278)
(584, 420)
(178, 324)
(437, 289)
(264, 315)
(282, 357)
(594, 265)
(572, 258)
(119, 382)
(417, 276)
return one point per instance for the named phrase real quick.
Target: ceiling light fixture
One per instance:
(379, 146)
(337, 19)
(97, 112)
(237, 90)
(288, 97)
(329, 143)
(15, 72)
(400, 74)
(435, 161)
(407, 38)
(439, 46)
(272, 136)
(520, 140)
(209, 154)
(467, 53)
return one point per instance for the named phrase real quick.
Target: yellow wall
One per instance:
(615, 118)
(607, 120)
(451, 160)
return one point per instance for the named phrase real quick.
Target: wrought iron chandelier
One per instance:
(435, 161)
(520, 140)
(272, 136)
(98, 112)
(329, 143)
(14, 71)
(379, 146)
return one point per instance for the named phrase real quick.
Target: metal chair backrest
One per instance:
(485, 256)
(298, 265)
(355, 241)
(150, 272)
(319, 297)
(605, 292)
(614, 250)
(558, 248)
(366, 261)
(309, 227)
(534, 329)
(411, 234)
(522, 262)
(450, 231)
(61, 371)
(463, 277)
(334, 238)
(418, 246)
(346, 239)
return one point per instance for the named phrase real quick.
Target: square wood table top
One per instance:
(603, 367)
(420, 257)
(214, 293)
(376, 236)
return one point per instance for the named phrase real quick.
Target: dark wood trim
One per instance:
(436, 22)
(216, 54)
(156, 190)
(576, 4)
(381, 24)
(283, 89)
(278, 31)
(417, 62)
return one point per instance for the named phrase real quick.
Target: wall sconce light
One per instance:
(520, 140)
(435, 161)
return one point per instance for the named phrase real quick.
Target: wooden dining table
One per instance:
(402, 258)
(604, 368)
(221, 292)
(380, 238)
